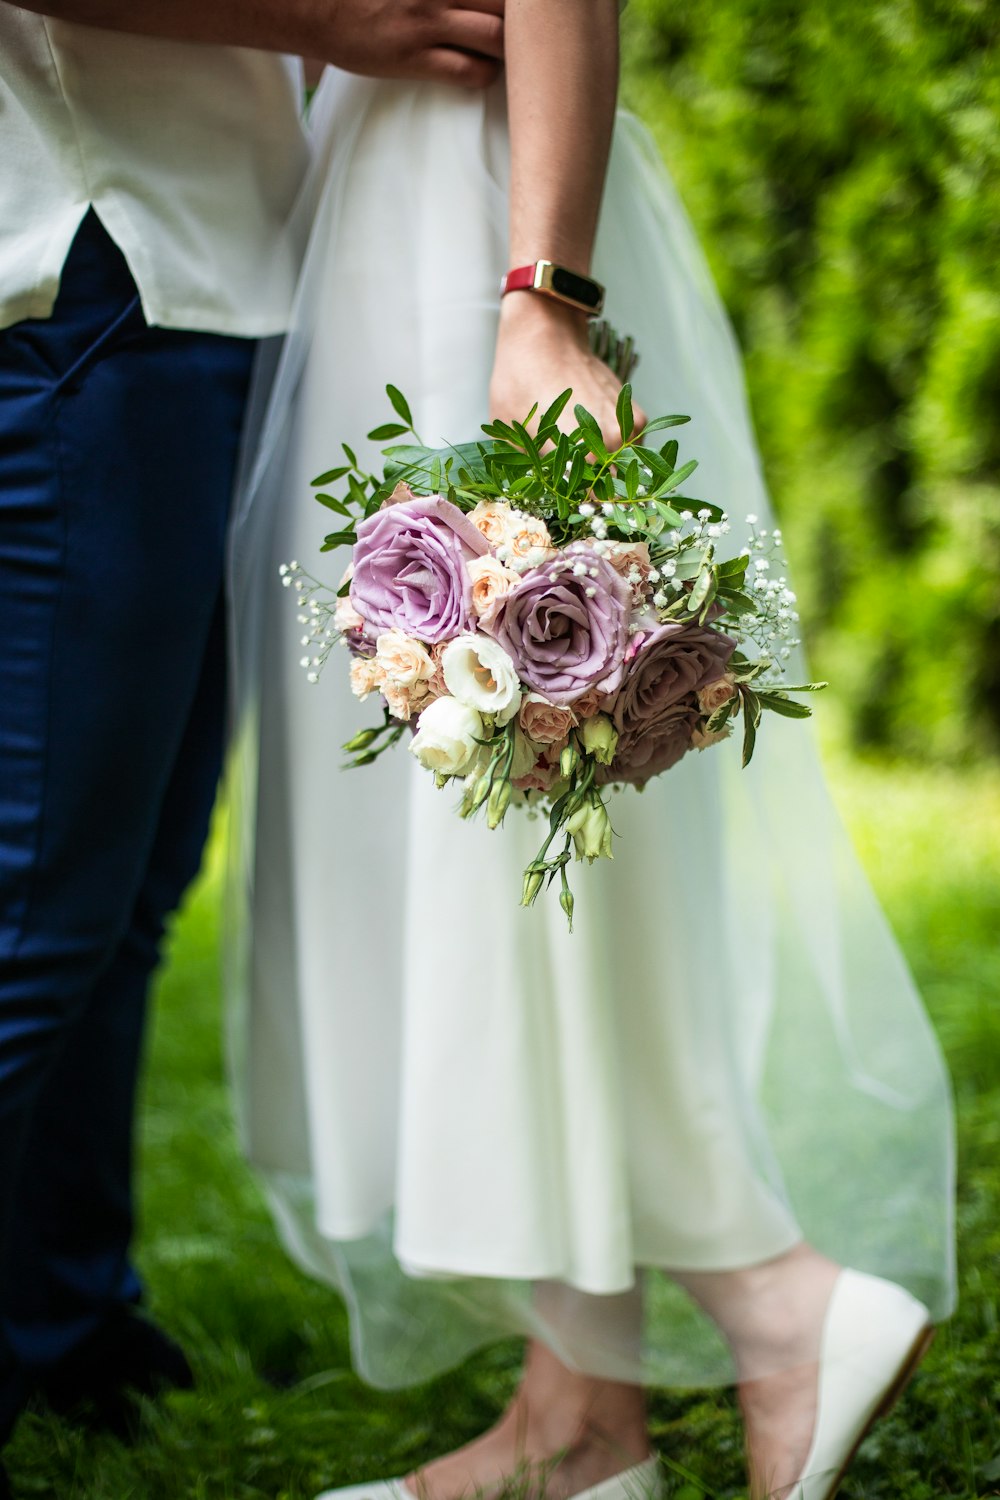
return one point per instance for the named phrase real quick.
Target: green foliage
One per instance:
(279, 1414)
(842, 164)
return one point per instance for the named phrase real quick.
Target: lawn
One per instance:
(277, 1412)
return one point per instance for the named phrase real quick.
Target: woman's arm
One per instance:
(454, 41)
(562, 84)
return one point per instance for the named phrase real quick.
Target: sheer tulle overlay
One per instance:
(470, 1122)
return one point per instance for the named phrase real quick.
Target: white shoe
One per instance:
(874, 1336)
(642, 1482)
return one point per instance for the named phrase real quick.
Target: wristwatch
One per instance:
(558, 282)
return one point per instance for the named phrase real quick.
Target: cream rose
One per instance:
(490, 581)
(715, 694)
(447, 732)
(403, 660)
(544, 722)
(479, 673)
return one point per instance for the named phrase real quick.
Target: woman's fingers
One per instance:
(465, 69)
(474, 30)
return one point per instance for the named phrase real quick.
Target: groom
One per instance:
(147, 173)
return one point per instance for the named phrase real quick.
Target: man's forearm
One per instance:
(303, 26)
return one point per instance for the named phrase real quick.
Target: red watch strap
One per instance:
(521, 279)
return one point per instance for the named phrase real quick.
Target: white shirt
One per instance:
(191, 155)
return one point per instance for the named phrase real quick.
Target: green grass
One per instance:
(278, 1412)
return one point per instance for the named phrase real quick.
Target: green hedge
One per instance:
(841, 161)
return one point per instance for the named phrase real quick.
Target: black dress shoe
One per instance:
(125, 1358)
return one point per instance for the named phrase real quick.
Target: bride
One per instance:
(653, 1147)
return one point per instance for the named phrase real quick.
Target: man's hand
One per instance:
(452, 41)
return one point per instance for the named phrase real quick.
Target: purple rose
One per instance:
(566, 630)
(410, 569)
(656, 710)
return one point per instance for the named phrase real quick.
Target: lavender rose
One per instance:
(566, 625)
(410, 569)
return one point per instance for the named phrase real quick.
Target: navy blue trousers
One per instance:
(118, 445)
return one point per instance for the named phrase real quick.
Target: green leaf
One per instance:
(331, 476)
(551, 416)
(751, 718)
(669, 452)
(339, 539)
(659, 423)
(678, 477)
(387, 430)
(352, 457)
(399, 406)
(624, 413)
(592, 432)
(333, 504)
(779, 704)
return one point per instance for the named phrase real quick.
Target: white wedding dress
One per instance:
(469, 1121)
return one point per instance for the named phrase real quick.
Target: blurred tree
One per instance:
(841, 161)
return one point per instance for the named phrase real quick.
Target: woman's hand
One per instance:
(543, 348)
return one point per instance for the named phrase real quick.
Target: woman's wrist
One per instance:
(533, 313)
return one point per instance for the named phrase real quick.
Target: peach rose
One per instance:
(345, 616)
(701, 739)
(404, 660)
(491, 517)
(366, 676)
(632, 562)
(400, 495)
(544, 722)
(436, 683)
(527, 543)
(490, 581)
(715, 694)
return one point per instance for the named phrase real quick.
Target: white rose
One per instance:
(446, 736)
(403, 659)
(479, 673)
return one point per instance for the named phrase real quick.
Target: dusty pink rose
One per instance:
(542, 777)
(644, 751)
(544, 722)
(589, 704)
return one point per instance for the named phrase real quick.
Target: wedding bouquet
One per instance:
(548, 618)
